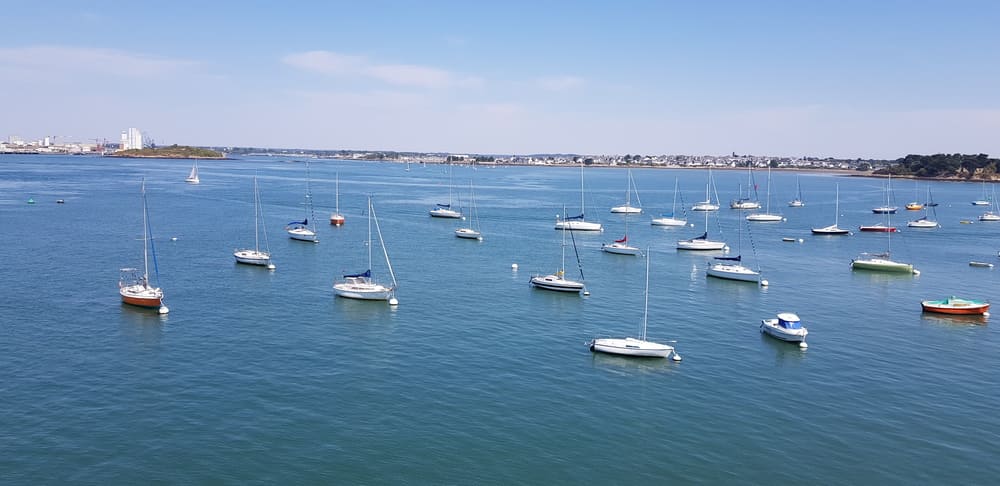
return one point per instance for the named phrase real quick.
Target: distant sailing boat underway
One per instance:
(336, 218)
(134, 288)
(192, 178)
(578, 223)
(304, 230)
(362, 285)
(627, 208)
(255, 256)
(636, 347)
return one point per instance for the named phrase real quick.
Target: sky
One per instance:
(824, 78)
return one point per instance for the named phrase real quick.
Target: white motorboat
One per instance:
(361, 285)
(256, 256)
(638, 347)
(786, 327)
(671, 219)
(833, 229)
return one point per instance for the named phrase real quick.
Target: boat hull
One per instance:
(631, 347)
(575, 225)
(878, 228)
(336, 219)
(955, 306)
(765, 218)
(990, 217)
(668, 222)
(445, 213)
(744, 205)
(141, 296)
(922, 223)
(701, 245)
(556, 283)
(830, 230)
(302, 234)
(885, 210)
(733, 272)
(468, 233)
(363, 291)
(626, 210)
(705, 206)
(881, 265)
(252, 257)
(620, 249)
(191, 180)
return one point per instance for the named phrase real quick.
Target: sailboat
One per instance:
(192, 178)
(621, 247)
(707, 204)
(445, 210)
(833, 229)
(701, 242)
(984, 200)
(915, 205)
(731, 268)
(627, 208)
(630, 346)
(881, 227)
(558, 281)
(473, 232)
(926, 221)
(766, 216)
(798, 202)
(887, 208)
(303, 230)
(882, 262)
(362, 285)
(746, 202)
(336, 218)
(255, 256)
(994, 213)
(135, 288)
(578, 223)
(672, 219)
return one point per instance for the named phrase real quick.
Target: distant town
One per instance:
(133, 138)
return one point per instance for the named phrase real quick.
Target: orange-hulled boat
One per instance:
(955, 305)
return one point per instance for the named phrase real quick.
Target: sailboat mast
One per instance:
(582, 211)
(337, 195)
(645, 305)
(145, 235)
(256, 216)
(369, 232)
(381, 243)
(836, 215)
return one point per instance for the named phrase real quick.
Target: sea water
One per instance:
(476, 378)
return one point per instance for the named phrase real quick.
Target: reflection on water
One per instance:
(785, 353)
(954, 319)
(143, 326)
(627, 365)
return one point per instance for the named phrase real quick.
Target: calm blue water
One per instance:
(475, 377)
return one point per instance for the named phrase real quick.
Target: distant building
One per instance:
(131, 139)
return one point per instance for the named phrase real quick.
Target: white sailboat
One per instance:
(361, 285)
(994, 213)
(558, 281)
(833, 229)
(621, 247)
(984, 200)
(336, 218)
(255, 256)
(446, 210)
(304, 230)
(766, 216)
(732, 268)
(627, 208)
(672, 219)
(578, 223)
(192, 178)
(473, 232)
(707, 204)
(630, 346)
(701, 242)
(887, 208)
(927, 220)
(798, 202)
(134, 288)
(882, 262)
(747, 202)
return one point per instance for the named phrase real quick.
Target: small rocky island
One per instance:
(171, 152)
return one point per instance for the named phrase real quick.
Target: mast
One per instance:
(582, 211)
(381, 243)
(836, 215)
(337, 196)
(645, 306)
(628, 189)
(256, 216)
(145, 236)
(369, 232)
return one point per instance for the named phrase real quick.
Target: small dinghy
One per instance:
(786, 327)
(955, 305)
(981, 264)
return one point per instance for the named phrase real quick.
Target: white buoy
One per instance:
(393, 301)
(586, 292)
(270, 266)
(676, 357)
(764, 283)
(803, 345)
(801, 240)
(163, 309)
(692, 225)
(513, 266)
(986, 314)
(173, 238)
(916, 272)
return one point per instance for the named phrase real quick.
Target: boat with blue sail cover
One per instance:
(361, 285)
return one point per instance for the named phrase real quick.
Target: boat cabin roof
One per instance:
(788, 320)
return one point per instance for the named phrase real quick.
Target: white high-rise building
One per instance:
(134, 138)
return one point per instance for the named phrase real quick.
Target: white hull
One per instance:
(620, 249)
(990, 217)
(705, 206)
(744, 205)
(668, 222)
(367, 291)
(445, 213)
(192, 180)
(765, 217)
(252, 257)
(468, 233)
(626, 209)
(576, 225)
(770, 326)
(631, 347)
(796, 204)
(923, 223)
(980, 203)
(830, 230)
(557, 283)
(303, 234)
(697, 244)
(733, 272)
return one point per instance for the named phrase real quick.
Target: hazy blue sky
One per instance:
(828, 78)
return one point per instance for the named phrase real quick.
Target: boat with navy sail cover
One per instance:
(305, 230)
(362, 285)
(557, 281)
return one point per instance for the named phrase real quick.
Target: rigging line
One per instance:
(578, 264)
(753, 246)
